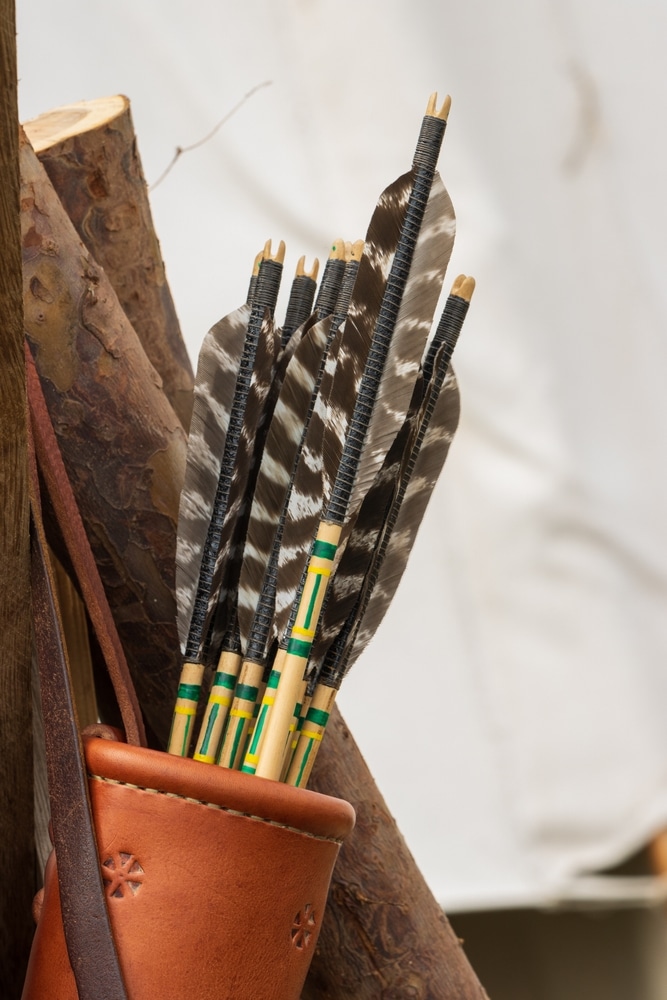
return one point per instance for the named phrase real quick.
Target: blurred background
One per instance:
(535, 600)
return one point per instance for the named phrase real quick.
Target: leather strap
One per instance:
(90, 943)
(74, 535)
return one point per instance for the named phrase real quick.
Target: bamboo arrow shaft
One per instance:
(311, 734)
(241, 715)
(219, 703)
(187, 699)
(280, 711)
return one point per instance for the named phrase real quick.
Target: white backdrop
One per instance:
(543, 561)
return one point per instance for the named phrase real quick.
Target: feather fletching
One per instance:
(242, 486)
(386, 526)
(277, 470)
(391, 555)
(356, 443)
(219, 360)
(203, 604)
(313, 453)
(413, 323)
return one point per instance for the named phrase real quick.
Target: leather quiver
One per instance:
(215, 881)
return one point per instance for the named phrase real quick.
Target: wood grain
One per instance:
(16, 792)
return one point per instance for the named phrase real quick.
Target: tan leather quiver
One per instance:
(216, 881)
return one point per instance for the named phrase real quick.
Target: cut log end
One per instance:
(73, 119)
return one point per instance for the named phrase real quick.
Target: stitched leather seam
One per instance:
(214, 805)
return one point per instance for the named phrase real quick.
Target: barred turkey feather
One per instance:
(363, 456)
(386, 527)
(380, 244)
(317, 466)
(252, 437)
(209, 540)
(219, 360)
(394, 541)
(400, 538)
(276, 471)
(356, 555)
(415, 316)
(413, 324)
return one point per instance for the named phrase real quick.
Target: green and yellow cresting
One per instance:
(187, 699)
(273, 726)
(310, 736)
(219, 702)
(244, 709)
(252, 756)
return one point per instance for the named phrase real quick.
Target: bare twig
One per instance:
(195, 145)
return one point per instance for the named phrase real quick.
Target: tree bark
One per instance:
(16, 789)
(122, 444)
(89, 151)
(384, 936)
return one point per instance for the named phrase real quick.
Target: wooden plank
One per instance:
(16, 793)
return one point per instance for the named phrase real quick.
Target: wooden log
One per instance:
(384, 935)
(89, 151)
(16, 786)
(122, 443)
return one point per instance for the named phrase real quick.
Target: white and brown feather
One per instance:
(217, 369)
(276, 473)
(394, 541)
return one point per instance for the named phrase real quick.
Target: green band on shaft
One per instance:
(299, 648)
(247, 692)
(224, 680)
(189, 691)
(317, 716)
(324, 550)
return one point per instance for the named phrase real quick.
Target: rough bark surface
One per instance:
(17, 881)
(384, 935)
(122, 444)
(98, 176)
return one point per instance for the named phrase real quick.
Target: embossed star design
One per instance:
(122, 875)
(303, 926)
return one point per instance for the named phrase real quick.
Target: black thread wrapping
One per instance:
(300, 305)
(325, 303)
(345, 293)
